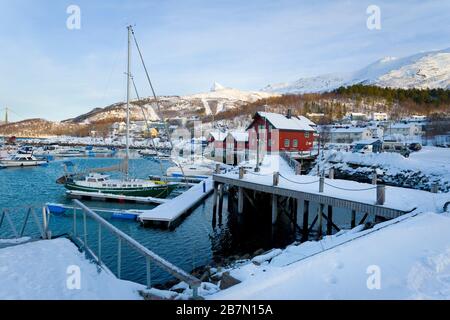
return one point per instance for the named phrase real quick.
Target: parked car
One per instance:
(415, 146)
(397, 147)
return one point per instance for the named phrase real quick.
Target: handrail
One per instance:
(178, 273)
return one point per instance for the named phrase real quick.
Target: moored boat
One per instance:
(21, 160)
(101, 183)
(190, 171)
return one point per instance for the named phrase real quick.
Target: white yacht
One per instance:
(190, 171)
(21, 160)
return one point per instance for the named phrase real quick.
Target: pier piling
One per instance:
(305, 235)
(381, 194)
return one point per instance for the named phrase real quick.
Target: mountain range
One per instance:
(422, 70)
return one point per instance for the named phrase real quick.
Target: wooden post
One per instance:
(241, 173)
(240, 200)
(331, 174)
(215, 196)
(353, 219)
(221, 199)
(321, 207)
(330, 221)
(374, 178)
(276, 178)
(381, 194)
(321, 184)
(274, 208)
(305, 235)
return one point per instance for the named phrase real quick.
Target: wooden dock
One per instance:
(171, 212)
(97, 196)
(293, 194)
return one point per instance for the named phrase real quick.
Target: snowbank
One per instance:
(412, 254)
(39, 271)
(429, 165)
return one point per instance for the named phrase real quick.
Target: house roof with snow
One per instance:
(217, 135)
(348, 130)
(239, 136)
(282, 122)
(401, 125)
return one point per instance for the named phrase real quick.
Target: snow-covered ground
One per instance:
(432, 163)
(396, 198)
(411, 256)
(41, 271)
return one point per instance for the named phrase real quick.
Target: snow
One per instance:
(240, 136)
(14, 241)
(258, 260)
(431, 161)
(39, 271)
(412, 253)
(423, 70)
(282, 122)
(396, 198)
(220, 92)
(174, 208)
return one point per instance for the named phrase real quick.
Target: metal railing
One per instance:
(122, 237)
(42, 228)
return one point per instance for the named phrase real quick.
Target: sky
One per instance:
(53, 72)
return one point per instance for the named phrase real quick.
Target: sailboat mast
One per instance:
(128, 100)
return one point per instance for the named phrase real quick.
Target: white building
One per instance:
(349, 134)
(405, 129)
(379, 116)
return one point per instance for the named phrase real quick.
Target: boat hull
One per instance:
(162, 191)
(21, 164)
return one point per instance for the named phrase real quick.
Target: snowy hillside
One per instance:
(218, 100)
(422, 70)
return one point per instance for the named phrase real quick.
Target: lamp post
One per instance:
(257, 169)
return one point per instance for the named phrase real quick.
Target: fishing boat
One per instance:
(21, 160)
(101, 183)
(97, 182)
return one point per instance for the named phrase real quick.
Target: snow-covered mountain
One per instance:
(423, 70)
(219, 99)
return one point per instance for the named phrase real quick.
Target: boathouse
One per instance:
(280, 132)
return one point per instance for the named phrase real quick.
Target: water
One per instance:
(196, 242)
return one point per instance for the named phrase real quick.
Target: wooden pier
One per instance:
(294, 194)
(170, 213)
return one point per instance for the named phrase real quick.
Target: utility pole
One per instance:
(6, 115)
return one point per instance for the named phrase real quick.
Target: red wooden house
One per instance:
(280, 132)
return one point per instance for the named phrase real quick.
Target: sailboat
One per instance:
(97, 181)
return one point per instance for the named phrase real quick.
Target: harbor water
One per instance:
(196, 242)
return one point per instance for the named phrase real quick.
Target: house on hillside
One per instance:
(278, 132)
(404, 128)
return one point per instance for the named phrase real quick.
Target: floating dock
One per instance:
(97, 196)
(169, 213)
